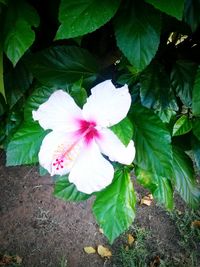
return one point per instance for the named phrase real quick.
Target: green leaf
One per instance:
(196, 127)
(2, 89)
(42, 171)
(63, 189)
(159, 186)
(152, 142)
(155, 91)
(196, 150)
(191, 13)
(182, 126)
(145, 178)
(2, 105)
(5, 2)
(17, 81)
(79, 18)
(126, 78)
(124, 130)
(12, 124)
(137, 30)
(172, 8)
(114, 207)
(78, 93)
(25, 145)
(164, 192)
(18, 33)
(182, 79)
(165, 115)
(62, 65)
(38, 97)
(184, 178)
(196, 94)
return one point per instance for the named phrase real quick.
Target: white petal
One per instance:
(91, 172)
(111, 146)
(59, 112)
(58, 152)
(107, 105)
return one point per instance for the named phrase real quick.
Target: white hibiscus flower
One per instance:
(80, 137)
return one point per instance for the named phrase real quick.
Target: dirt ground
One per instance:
(43, 230)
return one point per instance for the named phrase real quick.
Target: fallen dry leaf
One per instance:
(131, 239)
(18, 259)
(180, 212)
(89, 250)
(196, 224)
(104, 252)
(146, 200)
(101, 230)
(155, 262)
(126, 248)
(7, 260)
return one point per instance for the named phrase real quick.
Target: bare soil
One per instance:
(43, 230)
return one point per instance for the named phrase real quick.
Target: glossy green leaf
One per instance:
(79, 18)
(172, 8)
(65, 190)
(78, 93)
(18, 32)
(62, 65)
(196, 94)
(165, 115)
(182, 126)
(164, 192)
(152, 142)
(17, 82)
(191, 13)
(155, 91)
(124, 130)
(159, 186)
(38, 97)
(137, 30)
(184, 178)
(196, 127)
(126, 78)
(196, 151)
(145, 178)
(182, 80)
(25, 145)
(114, 207)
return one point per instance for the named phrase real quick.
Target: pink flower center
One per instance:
(88, 130)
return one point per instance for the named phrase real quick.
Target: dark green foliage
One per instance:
(137, 30)
(153, 46)
(63, 65)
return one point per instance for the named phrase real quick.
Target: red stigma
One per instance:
(58, 164)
